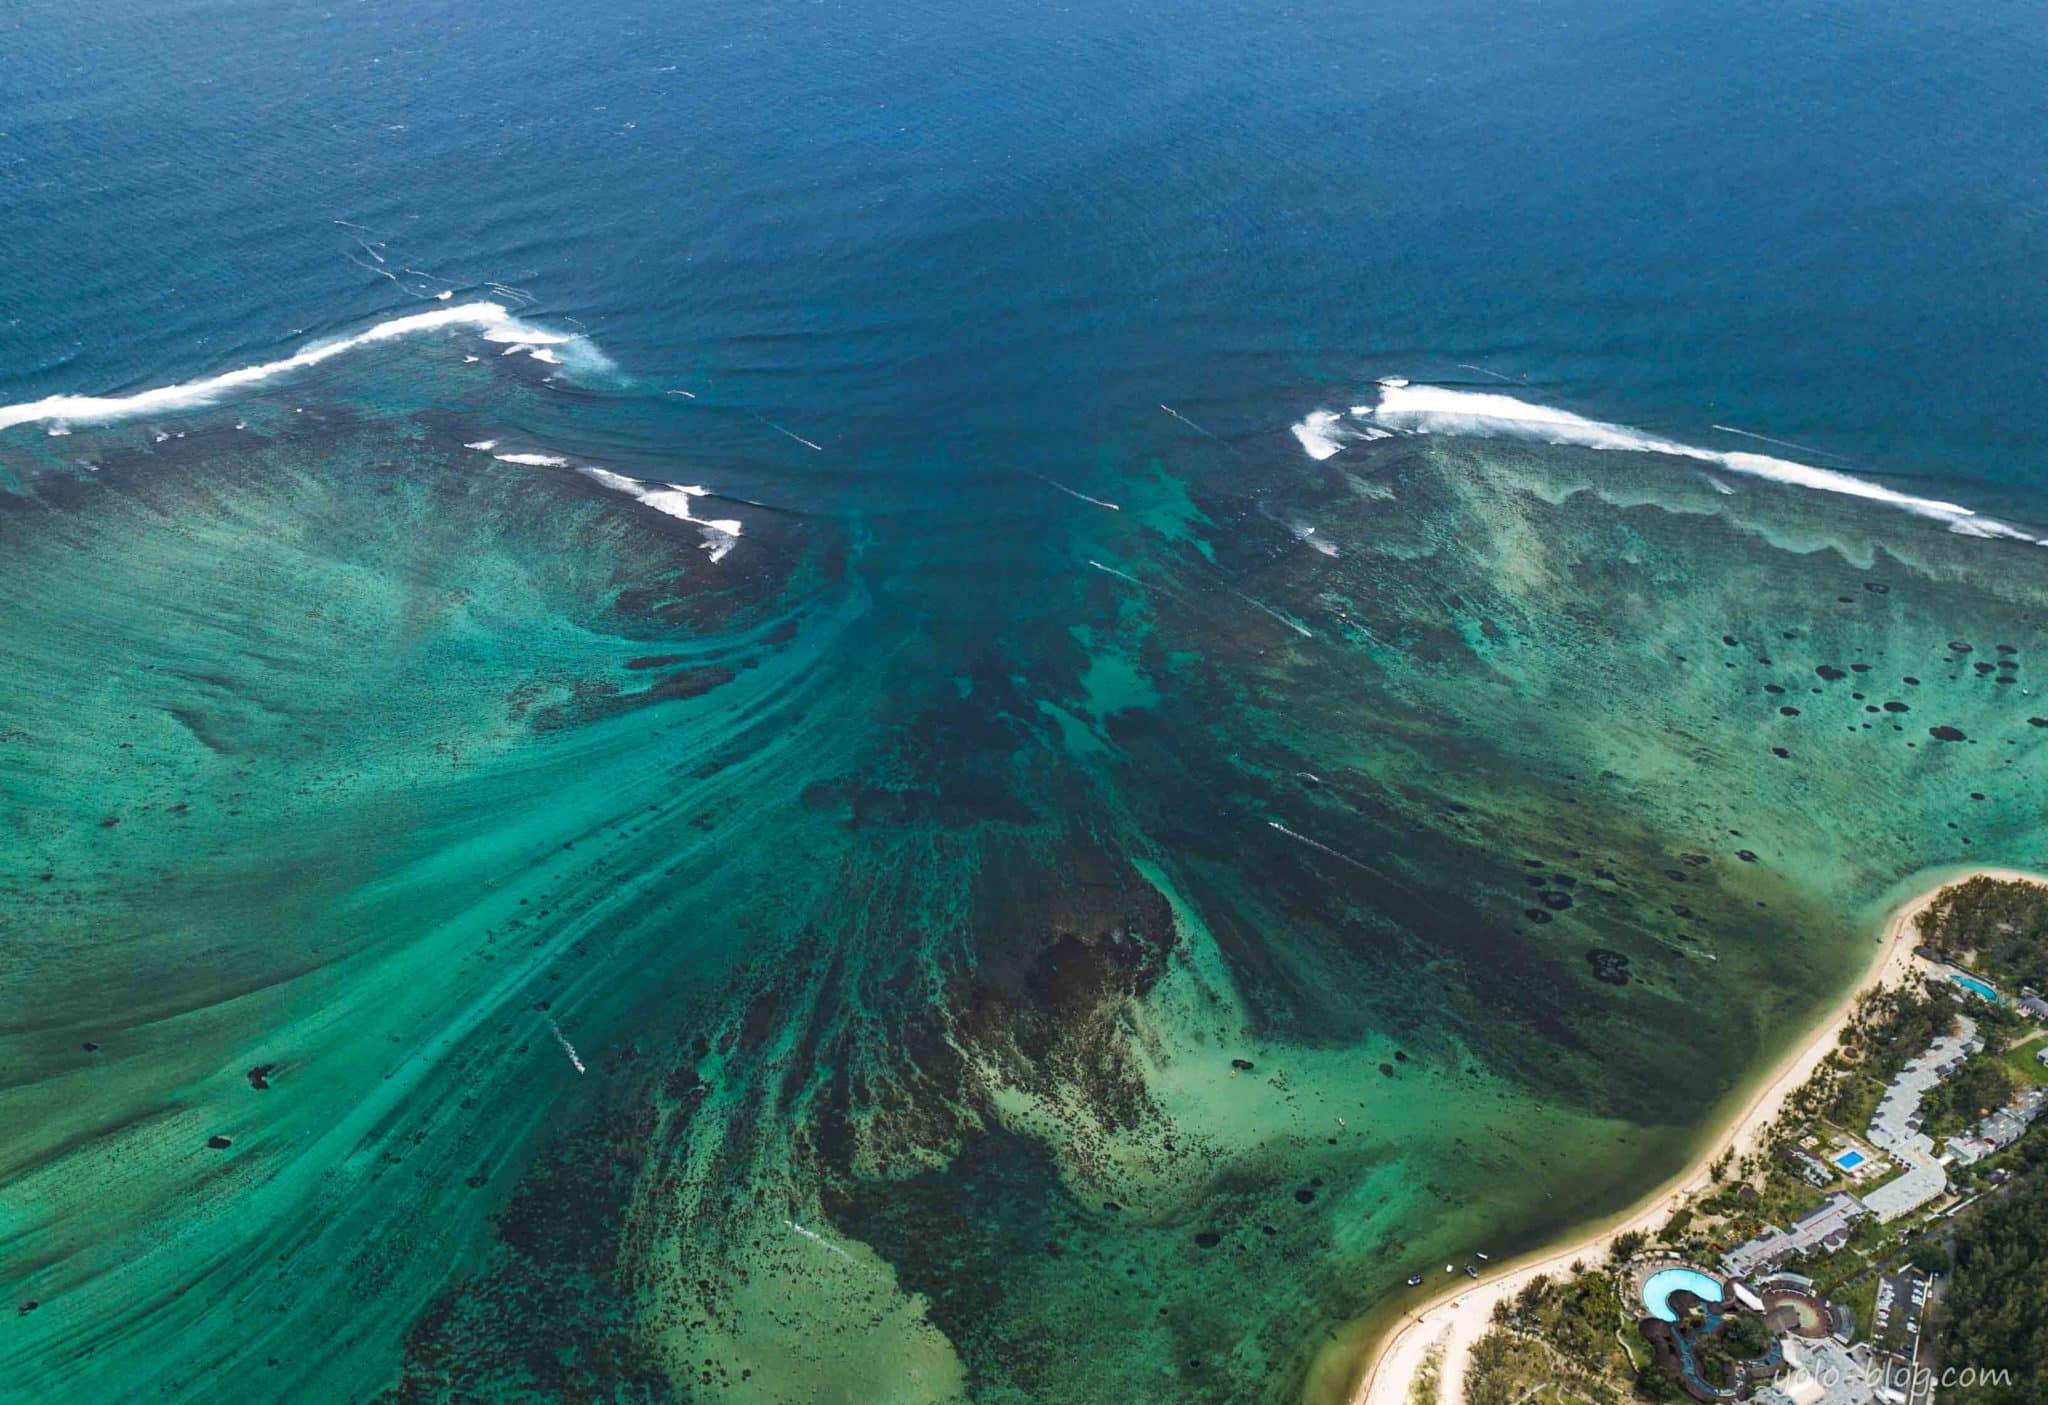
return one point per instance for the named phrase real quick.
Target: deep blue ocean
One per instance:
(943, 237)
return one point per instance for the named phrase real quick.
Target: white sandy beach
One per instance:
(1457, 1317)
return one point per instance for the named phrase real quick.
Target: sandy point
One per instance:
(1457, 1317)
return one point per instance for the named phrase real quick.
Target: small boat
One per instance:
(1416, 1281)
(1449, 1269)
(1482, 1257)
(1471, 1272)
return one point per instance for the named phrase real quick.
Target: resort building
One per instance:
(1825, 1372)
(1811, 1168)
(2001, 1129)
(1922, 1181)
(1821, 1231)
(1895, 1127)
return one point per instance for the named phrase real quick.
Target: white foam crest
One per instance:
(1321, 434)
(1427, 409)
(1307, 534)
(720, 533)
(490, 319)
(532, 460)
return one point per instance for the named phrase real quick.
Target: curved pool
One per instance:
(1659, 1286)
(1978, 988)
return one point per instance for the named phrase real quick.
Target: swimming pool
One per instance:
(1659, 1286)
(1978, 988)
(1849, 1160)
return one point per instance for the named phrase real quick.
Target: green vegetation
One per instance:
(1889, 1028)
(1858, 1293)
(1423, 1390)
(1999, 927)
(1982, 1085)
(1653, 1385)
(2023, 1061)
(1742, 1338)
(1995, 1314)
(1556, 1341)
(1746, 1336)
(1505, 1368)
(1627, 1245)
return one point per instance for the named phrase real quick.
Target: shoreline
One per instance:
(1453, 1319)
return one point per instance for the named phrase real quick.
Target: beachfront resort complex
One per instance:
(1861, 1254)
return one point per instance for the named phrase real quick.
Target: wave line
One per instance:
(491, 319)
(1426, 409)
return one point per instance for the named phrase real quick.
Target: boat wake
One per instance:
(562, 1039)
(818, 1239)
(1076, 493)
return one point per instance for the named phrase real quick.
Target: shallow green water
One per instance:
(877, 967)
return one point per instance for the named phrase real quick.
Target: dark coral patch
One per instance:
(1608, 966)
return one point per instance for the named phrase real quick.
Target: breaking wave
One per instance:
(1323, 433)
(489, 319)
(1425, 409)
(720, 534)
